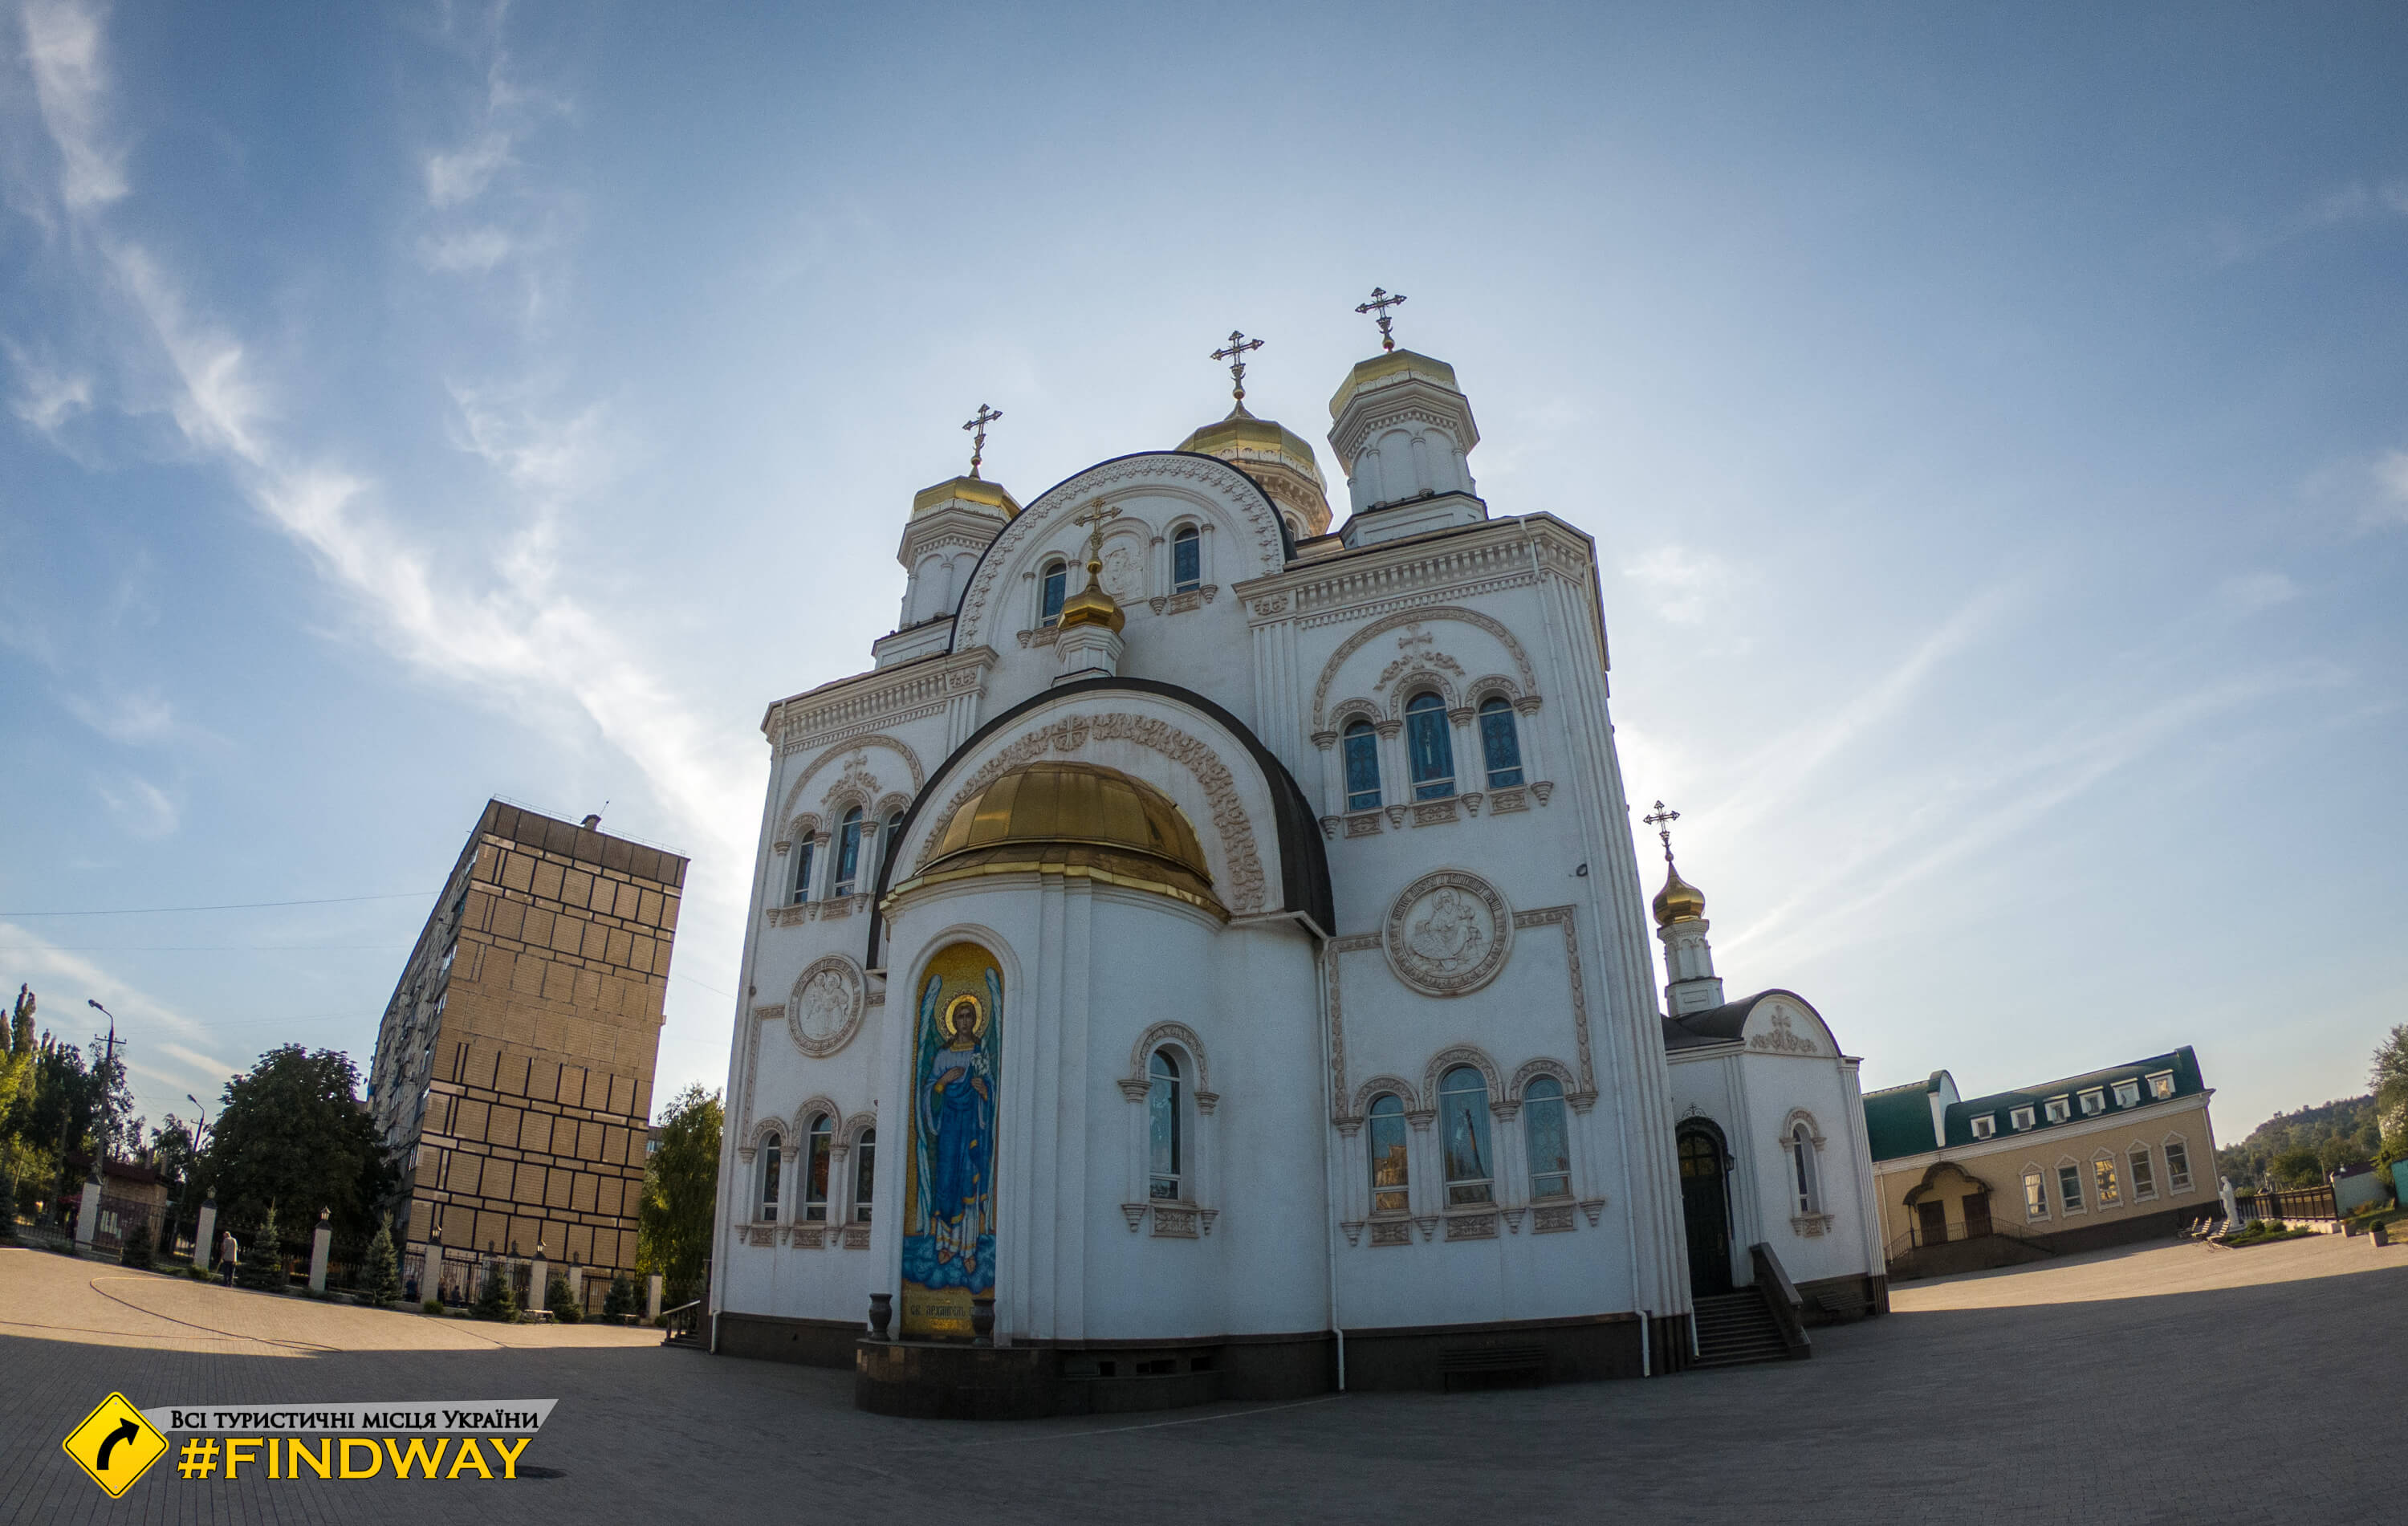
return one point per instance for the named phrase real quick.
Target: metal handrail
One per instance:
(685, 1320)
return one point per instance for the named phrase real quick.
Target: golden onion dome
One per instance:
(1090, 605)
(1079, 820)
(1679, 901)
(1243, 437)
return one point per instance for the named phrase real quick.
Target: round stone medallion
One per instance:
(1448, 933)
(824, 1012)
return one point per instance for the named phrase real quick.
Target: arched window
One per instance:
(1547, 1139)
(1431, 747)
(815, 1169)
(864, 1171)
(1049, 610)
(889, 834)
(1362, 745)
(1162, 1141)
(1391, 1176)
(770, 1178)
(1801, 1151)
(804, 852)
(1187, 560)
(1463, 1114)
(1500, 746)
(848, 853)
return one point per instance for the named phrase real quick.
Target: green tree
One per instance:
(381, 1283)
(8, 1206)
(53, 1114)
(2390, 1083)
(263, 1260)
(497, 1300)
(292, 1130)
(561, 1301)
(2297, 1166)
(622, 1300)
(680, 1186)
(16, 1049)
(138, 1250)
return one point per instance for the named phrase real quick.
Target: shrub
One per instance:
(562, 1303)
(380, 1282)
(139, 1249)
(7, 1209)
(497, 1300)
(198, 1274)
(621, 1301)
(262, 1266)
(433, 1306)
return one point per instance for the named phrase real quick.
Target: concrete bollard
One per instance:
(321, 1245)
(205, 1239)
(653, 1296)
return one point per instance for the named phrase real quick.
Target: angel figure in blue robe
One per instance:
(956, 1117)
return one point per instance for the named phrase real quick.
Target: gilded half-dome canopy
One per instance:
(1075, 819)
(1679, 901)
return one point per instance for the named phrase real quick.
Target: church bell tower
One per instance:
(1690, 984)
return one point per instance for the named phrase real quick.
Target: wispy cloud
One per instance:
(141, 807)
(134, 719)
(2392, 487)
(66, 980)
(1681, 583)
(45, 399)
(515, 637)
(463, 174)
(2355, 204)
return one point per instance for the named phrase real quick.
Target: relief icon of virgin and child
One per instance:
(949, 1219)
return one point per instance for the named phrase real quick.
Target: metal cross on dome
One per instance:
(977, 427)
(1381, 302)
(1093, 517)
(1662, 819)
(1235, 354)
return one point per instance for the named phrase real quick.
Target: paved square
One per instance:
(2172, 1383)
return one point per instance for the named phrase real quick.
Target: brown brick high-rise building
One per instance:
(513, 1071)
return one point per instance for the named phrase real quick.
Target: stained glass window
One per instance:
(1056, 572)
(848, 853)
(1162, 1127)
(1362, 766)
(1463, 1117)
(1547, 1139)
(769, 1179)
(1187, 560)
(1390, 1173)
(865, 1174)
(815, 1169)
(1500, 745)
(1431, 745)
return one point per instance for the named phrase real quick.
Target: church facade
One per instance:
(1205, 955)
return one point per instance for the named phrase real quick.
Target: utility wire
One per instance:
(230, 906)
(207, 948)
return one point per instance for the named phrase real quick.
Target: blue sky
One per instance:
(1990, 420)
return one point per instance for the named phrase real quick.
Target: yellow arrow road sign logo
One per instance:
(115, 1444)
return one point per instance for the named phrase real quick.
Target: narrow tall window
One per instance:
(2144, 1174)
(2177, 1166)
(848, 853)
(1546, 1138)
(889, 834)
(2035, 1195)
(815, 1169)
(1801, 1151)
(804, 852)
(1431, 746)
(1463, 1115)
(1500, 745)
(2069, 1187)
(1362, 753)
(2103, 1176)
(769, 1179)
(865, 1174)
(1162, 1127)
(1391, 1177)
(1187, 560)
(1049, 612)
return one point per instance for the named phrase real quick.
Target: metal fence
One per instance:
(2292, 1202)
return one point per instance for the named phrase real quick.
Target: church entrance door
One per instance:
(1705, 1204)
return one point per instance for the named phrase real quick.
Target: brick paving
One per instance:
(2175, 1383)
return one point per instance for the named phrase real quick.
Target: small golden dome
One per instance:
(1679, 901)
(1076, 819)
(1090, 605)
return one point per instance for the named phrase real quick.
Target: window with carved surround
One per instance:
(1162, 1128)
(1429, 746)
(1500, 743)
(1388, 1145)
(1546, 1137)
(1050, 587)
(848, 853)
(770, 1151)
(1362, 759)
(821, 1151)
(1187, 560)
(806, 852)
(1170, 1177)
(1470, 1154)
(1803, 1173)
(864, 1161)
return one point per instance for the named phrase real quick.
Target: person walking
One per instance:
(229, 1252)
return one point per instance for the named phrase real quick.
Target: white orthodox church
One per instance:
(1205, 956)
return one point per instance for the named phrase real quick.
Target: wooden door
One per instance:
(1932, 1216)
(1705, 1207)
(1977, 1215)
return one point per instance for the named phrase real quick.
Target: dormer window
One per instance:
(2128, 1094)
(2094, 1101)
(2161, 1086)
(1984, 1126)
(2021, 1118)
(2059, 1109)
